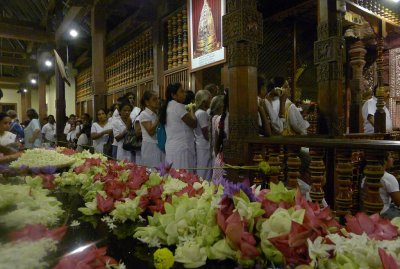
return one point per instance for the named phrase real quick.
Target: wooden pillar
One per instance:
(98, 24)
(42, 96)
(60, 105)
(357, 61)
(328, 51)
(344, 178)
(158, 57)
(242, 26)
(380, 115)
(25, 103)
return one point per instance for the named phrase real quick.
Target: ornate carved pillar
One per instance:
(318, 176)
(328, 58)
(242, 26)
(344, 177)
(357, 61)
(373, 173)
(380, 115)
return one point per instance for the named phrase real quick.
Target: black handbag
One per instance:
(107, 147)
(131, 141)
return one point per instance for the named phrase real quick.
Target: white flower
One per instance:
(75, 223)
(317, 250)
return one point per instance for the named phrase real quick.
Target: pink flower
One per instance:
(388, 261)
(33, 232)
(104, 205)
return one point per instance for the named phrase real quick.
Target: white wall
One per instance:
(35, 100)
(11, 96)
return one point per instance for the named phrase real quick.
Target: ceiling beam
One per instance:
(292, 11)
(28, 33)
(10, 61)
(13, 51)
(8, 86)
(69, 18)
(11, 80)
(82, 59)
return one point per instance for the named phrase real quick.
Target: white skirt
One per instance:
(180, 159)
(152, 156)
(203, 157)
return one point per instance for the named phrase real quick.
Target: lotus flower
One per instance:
(104, 205)
(374, 226)
(38, 231)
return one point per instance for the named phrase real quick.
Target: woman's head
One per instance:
(32, 114)
(125, 111)
(150, 100)
(189, 97)
(131, 98)
(5, 121)
(278, 82)
(50, 119)
(101, 115)
(12, 114)
(203, 99)
(175, 92)
(217, 105)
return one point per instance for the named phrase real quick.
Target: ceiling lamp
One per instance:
(73, 33)
(33, 81)
(48, 63)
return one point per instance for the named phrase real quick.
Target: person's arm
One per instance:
(10, 158)
(395, 197)
(190, 119)
(276, 121)
(119, 133)
(36, 132)
(138, 129)
(296, 121)
(150, 127)
(266, 123)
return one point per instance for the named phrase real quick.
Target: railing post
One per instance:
(293, 166)
(343, 181)
(317, 171)
(372, 202)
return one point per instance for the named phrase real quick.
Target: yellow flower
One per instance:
(163, 258)
(264, 167)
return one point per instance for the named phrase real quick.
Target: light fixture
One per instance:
(33, 81)
(396, 1)
(48, 63)
(73, 33)
(25, 90)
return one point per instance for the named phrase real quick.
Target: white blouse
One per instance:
(99, 143)
(145, 116)
(202, 122)
(7, 138)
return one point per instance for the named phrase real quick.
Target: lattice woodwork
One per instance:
(181, 76)
(379, 9)
(84, 83)
(131, 63)
(394, 76)
(177, 39)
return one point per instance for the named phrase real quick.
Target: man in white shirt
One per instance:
(369, 109)
(49, 130)
(389, 190)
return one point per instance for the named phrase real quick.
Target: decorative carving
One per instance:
(394, 75)
(233, 5)
(242, 25)
(373, 174)
(242, 54)
(323, 31)
(329, 71)
(323, 72)
(344, 170)
(328, 50)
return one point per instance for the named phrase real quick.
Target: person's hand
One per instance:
(284, 95)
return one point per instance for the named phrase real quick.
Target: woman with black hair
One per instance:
(179, 124)
(100, 130)
(152, 156)
(32, 131)
(120, 129)
(222, 135)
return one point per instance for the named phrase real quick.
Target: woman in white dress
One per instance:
(100, 131)
(32, 131)
(152, 156)
(179, 124)
(120, 129)
(201, 133)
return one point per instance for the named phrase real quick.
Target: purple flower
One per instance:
(163, 168)
(49, 170)
(35, 170)
(231, 188)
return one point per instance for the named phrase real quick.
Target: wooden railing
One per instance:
(333, 167)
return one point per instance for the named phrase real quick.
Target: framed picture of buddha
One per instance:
(205, 31)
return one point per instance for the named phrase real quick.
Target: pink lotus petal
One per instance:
(388, 261)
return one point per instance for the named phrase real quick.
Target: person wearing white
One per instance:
(8, 144)
(152, 156)
(100, 131)
(32, 131)
(201, 133)
(49, 130)
(120, 129)
(115, 117)
(72, 118)
(368, 111)
(73, 132)
(179, 124)
(389, 192)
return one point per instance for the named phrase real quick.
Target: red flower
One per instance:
(388, 261)
(48, 181)
(374, 226)
(89, 258)
(114, 188)
(225, 210)
(38, 231)
(293, 245)
(104, 205)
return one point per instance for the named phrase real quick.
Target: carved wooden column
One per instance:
(242, 33)
(356, 181)
(317, 172)
(276, 161)
(344, 177)
(328, 51)
(293, 166)
(373, 172)
(380, 115)
(357, 61)
(98, 25)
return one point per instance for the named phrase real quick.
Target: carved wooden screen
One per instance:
(181, 76)
(394, 76)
